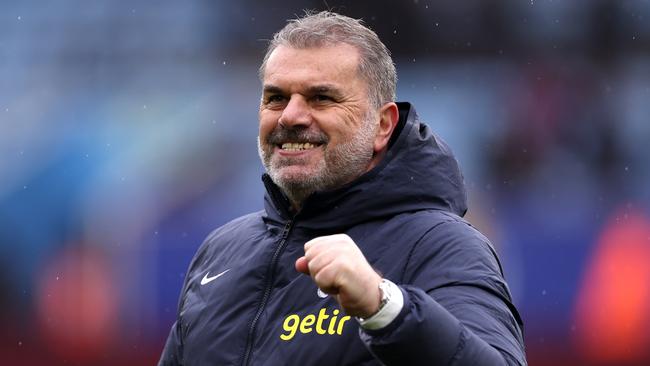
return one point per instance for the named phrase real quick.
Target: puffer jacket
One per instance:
(243, 303)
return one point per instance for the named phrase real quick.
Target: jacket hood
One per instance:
(419, 172)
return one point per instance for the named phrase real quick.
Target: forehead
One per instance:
(338, 63)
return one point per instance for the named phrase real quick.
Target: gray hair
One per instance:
(328, 28)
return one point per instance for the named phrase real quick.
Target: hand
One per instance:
(338, 268)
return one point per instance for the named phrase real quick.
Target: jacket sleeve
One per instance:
(171, 353)
(457, 307)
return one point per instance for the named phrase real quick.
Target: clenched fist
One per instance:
(338, 267)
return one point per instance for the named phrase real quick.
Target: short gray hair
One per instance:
(328, 28)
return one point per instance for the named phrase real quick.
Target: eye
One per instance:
(323, 98)
(274, 98)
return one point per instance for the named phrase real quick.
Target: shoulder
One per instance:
(442, 230)
(447, 231)
(237, 229)
(235, 226)
(451, 245)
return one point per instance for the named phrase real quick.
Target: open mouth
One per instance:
(298, 146)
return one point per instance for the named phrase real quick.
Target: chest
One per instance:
(245, 304)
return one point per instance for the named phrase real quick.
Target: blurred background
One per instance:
(128, 129)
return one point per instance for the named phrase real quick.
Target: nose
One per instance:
(296, 113)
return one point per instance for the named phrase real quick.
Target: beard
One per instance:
(340, 164)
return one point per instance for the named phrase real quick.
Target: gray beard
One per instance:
(341, 164)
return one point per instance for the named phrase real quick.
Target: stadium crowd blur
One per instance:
(127, 133)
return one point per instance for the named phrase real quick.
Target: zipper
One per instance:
(267, 292)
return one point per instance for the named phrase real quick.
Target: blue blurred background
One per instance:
(127, 133)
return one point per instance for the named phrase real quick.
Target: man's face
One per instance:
(317, 129)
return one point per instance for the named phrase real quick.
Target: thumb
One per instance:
(301, 265)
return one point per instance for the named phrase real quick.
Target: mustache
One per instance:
(296, 134)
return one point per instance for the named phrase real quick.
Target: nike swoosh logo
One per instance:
(207, 279)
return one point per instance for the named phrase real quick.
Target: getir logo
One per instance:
(321, 324)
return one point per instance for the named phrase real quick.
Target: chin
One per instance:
(294, 178)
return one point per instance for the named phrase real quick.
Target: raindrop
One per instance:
(20, 18)
(543, 292)
(395, 31)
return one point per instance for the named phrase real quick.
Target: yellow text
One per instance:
(321, 324)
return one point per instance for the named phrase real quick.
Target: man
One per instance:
(360, 256)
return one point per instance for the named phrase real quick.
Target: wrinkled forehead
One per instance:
(339, 61)
(340, 56)
(337, 64)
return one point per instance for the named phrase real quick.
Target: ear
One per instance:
(388, 117)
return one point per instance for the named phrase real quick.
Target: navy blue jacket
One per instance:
(253, 308)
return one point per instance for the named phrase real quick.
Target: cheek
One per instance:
(342, 125)
(267, 124)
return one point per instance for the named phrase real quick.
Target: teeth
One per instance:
(297, 146)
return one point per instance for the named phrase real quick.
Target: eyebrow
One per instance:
(272, 89)
(324, 88)
(312, 90)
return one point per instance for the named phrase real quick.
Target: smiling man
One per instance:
(317, 128)
(361, 255)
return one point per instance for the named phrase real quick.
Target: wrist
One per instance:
(390, 305)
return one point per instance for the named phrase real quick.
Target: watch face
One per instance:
(385, 293)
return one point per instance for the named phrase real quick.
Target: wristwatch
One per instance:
(384, 290)
(390, 305)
